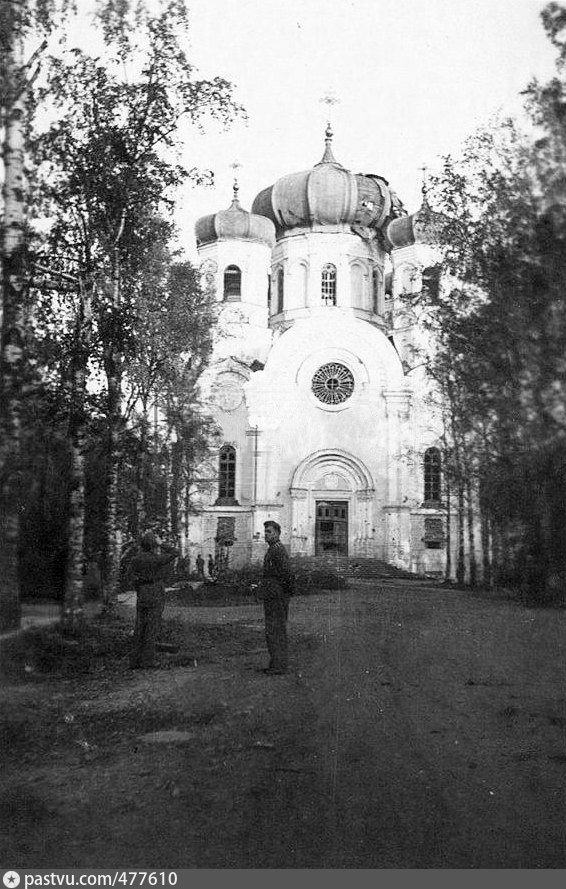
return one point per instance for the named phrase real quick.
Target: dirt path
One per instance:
(435, 739)
(419, 728)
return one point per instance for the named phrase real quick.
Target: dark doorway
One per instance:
(331, 533)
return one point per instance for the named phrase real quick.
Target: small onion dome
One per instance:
(422, 227)
(328, 194)
(234, 224)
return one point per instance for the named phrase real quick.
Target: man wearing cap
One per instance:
(277, 589)
(147, 569)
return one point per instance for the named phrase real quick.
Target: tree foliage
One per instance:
(500, 321)
(114, 313)
(107, 171)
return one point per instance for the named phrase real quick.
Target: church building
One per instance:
(316, 381)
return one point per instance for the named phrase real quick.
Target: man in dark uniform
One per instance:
(147, 570)
(200, 566)
(276, 590)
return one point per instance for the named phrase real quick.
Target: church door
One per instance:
(331, 533)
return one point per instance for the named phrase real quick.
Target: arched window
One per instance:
(227, 475)
(280, 290)
(232, 282)
(432, 476)
(329, 284)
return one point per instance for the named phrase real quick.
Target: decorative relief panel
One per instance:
(332, 481)
(208, 268)
(227, 391)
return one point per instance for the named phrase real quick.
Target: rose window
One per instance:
(333, 383)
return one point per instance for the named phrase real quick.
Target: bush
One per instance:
(238, 586)
(310, 579)
(233, 587)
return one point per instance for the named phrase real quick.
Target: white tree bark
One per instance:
(11, 321)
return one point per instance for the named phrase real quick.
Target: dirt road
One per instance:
(419, 728)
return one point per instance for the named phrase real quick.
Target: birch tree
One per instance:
(17, 74)
(107, 167)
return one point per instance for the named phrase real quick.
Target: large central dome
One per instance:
(328, 194)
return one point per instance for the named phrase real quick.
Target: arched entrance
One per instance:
(332, 496)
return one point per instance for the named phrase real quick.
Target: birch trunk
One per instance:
(73, 605)
(472, 563)
(12, 328)
(461, 563)
(485, 541)
(112, 561)
(113, 370)
(448, 569)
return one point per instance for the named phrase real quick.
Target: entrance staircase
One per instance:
(354, 568)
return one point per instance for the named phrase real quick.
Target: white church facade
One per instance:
(315, 383)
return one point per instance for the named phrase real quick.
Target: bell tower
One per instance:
(234, 248)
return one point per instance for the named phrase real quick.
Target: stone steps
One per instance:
(358, 568)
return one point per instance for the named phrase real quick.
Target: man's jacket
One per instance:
(147, 570)
(277, 575)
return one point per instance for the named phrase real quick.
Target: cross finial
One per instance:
(236, 166)
(329, 99)
(424, 186)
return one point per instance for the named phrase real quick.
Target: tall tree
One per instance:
(107, 171)
(174, 324)
(17, 19)
(500, 360)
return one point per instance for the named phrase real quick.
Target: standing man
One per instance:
(276, 589)
(200, 566)
(147, 570)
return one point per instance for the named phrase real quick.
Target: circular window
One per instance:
(332, 383)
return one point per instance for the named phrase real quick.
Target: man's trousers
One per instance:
(146, 633)
(276, 611)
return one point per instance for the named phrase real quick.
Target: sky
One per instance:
(413, 79)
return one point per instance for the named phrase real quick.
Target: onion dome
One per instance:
(328, 194)
(234, 223)
(422, 227)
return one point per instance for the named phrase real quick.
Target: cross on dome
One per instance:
(424, 186)
(236, 166)
(329, 99)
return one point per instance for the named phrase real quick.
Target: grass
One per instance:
(47, 650)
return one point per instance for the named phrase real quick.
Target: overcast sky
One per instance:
(414, 78)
